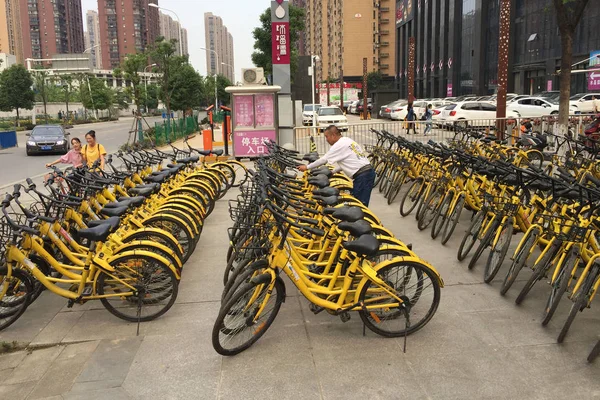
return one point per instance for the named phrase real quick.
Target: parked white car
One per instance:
(584, 101)
(472, 113)
(331, 115)
(533, 107)
(438, 118)
(400, 112)
(307, 113)
(353, 107)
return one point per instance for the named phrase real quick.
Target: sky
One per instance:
(239, 16)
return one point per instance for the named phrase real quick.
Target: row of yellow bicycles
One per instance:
(121, 236)
(554, 204)
(332, 248)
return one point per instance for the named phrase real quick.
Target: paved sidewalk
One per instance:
(479, 345)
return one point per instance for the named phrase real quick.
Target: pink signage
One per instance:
(280, 42)
(449, 90)
(594, 80)
(264, 110)
(251, 143)
(244, 110)
(549, 85)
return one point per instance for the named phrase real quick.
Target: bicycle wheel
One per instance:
(411, 197)
(429, 210)
(439, 221)
(579, 304)
(484, 243)
(471, 235)
(560, 284)
(387, 176)
(380, 170)
(519, 260)
(246, 317)
(594, 353)
(159, 237)
(453, 219)
(498, 251)
(535, 158)
(395, 187)
(141, 288)
(241, 173)
(177, 229)
(234, 283)
(539, 271)
(413, 282)
(15, 293)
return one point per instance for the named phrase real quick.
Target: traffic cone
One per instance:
(313, 145)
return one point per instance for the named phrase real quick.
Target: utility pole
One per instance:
(503, 43)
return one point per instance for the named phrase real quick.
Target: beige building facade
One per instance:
(219, 40)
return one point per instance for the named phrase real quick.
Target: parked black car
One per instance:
(47, 139)
(359, 107)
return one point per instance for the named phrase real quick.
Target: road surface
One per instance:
(16, 166)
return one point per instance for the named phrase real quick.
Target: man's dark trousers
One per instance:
(363, 185)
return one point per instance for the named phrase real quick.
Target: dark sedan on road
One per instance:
(47, 139)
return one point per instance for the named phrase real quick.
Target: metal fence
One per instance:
(173, 129)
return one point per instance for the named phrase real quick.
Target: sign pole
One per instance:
(503, 43)
(365, 104)
(281, 51)
(411, 69)
(341, 89)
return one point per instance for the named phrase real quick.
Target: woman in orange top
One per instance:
(93, 150)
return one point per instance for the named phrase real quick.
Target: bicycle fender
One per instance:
(128, 235)
(133, 245)
(117, 257)
(167, 216)
(400, 247)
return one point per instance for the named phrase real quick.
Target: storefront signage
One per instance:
(594, 77)
(404, 11)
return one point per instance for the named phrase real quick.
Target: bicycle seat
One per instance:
(160, 178)
(126, 201)
(142, 191)
(357, 228)
(204, 152)
(320, 181)
(322, 171)
(311, 157)
(96, 234)
(366, 245)
(217, 152)
(114, 212)
(326, 191)
(114, 223)
(328, 201)
(348, 214)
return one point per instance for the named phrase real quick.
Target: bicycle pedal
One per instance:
(315, 308)
(345, 316)
(409, 246)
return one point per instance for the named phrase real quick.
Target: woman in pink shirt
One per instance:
(73, 157)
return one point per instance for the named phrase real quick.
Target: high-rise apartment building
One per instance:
(219, 40)
(51, 27)
(301, 34)
(343, 32)
(126, 27)
(92, 41)
(11, 39)
(169, 29)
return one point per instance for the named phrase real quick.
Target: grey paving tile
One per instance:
(5, 373)
(11, 360)
(105, 394)
(110, 361)
(17, 391)
(34, 365)
(180, 366)
(51, 398)
(58, 328)
(62, 373)
(100, 324)
(194, 317)
(79, 387)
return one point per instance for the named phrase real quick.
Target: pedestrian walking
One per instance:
(93, 150)
(73, 156)
(411, 118)
(428, 119)
(351, 159)
(60, 115)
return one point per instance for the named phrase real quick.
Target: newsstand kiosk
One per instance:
(254, 111)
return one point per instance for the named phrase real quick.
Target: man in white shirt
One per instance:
(351, 159)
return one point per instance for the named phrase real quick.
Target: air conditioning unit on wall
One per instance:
(253, 76)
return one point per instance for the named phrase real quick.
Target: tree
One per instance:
(130, 69)
(151, 96)
(96, 96)
(41, 83)
(66, 82)
(163, 55)
(568, 15)
(209, 89)
(16, 90)
(375, 81)
(262, 39)
(190, 88)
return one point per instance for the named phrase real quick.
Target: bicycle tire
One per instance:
(395, 187)
(519, 261)
(389, 172)
(233, 284)
(182, 234)
(539, 271)
(484, 243)
(158, 237)
(238, 166)
(578, 306)
(499, 250)
(594, 353)
(164, 282)
(429, 211)
(453, 219)
(14, 285)
(380, 169)
(441, 216)
(416, 270)
(473, 233)
(559, 286)
(413, 194)
(228, 309)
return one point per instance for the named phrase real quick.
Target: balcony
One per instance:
(384, 20)
(384, 32)
(384, 66)
(384, 9)
(384, 55)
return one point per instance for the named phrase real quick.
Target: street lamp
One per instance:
(178, 21)
(216, 73)
(146, 84)
(312, 75)
(230, 66)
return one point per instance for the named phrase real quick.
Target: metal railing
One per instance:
(173, 129)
